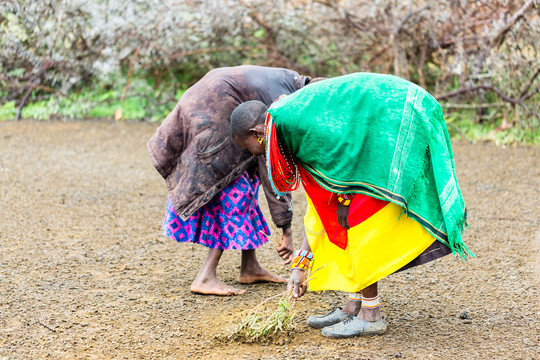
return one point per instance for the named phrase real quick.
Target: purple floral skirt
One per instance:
(231, 220)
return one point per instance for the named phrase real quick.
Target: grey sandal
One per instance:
(333, 317)
(354, 326)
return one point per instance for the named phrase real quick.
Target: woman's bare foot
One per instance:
(214, 287)
(259, 275)
(252, 272)
(206, 281)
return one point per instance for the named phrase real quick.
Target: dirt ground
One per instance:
(86, 274)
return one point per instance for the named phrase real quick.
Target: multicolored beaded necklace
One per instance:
(282, 169)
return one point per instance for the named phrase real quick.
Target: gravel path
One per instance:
(85, 273)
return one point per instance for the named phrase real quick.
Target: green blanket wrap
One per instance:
(381, 136)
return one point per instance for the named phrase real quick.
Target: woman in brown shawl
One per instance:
(213, 184)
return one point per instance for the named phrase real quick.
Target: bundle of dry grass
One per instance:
(262, 323)
(259, 324)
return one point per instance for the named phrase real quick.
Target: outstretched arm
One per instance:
(296, 281)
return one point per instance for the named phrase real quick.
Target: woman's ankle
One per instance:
(370, 314)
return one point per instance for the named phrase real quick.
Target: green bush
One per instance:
(79, 54)
(100, 102)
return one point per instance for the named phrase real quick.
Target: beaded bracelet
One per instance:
(344, 199)
(302, 260)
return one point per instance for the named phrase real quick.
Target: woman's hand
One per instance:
(296, 283)
(285, 250)
(342, 214)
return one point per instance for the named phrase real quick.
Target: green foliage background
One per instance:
(80, 59)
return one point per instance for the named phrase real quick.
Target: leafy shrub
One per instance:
(468, 53)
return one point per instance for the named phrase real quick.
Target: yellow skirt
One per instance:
(377, 247)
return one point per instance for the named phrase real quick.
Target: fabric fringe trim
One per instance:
(455, 240)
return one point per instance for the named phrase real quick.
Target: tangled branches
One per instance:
(470, 51)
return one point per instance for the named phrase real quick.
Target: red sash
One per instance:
(362, 208)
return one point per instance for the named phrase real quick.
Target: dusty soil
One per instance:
(85, 273)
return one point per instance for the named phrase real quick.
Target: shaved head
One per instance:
(246, 116)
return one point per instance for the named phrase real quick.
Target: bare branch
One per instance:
(530, 94)
(499, 36)
(472, 106)
(526, 88)
(215, 49)
(499, 92)
(31, 87)
(407, 17)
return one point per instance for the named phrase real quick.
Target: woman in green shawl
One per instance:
(373, 154)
